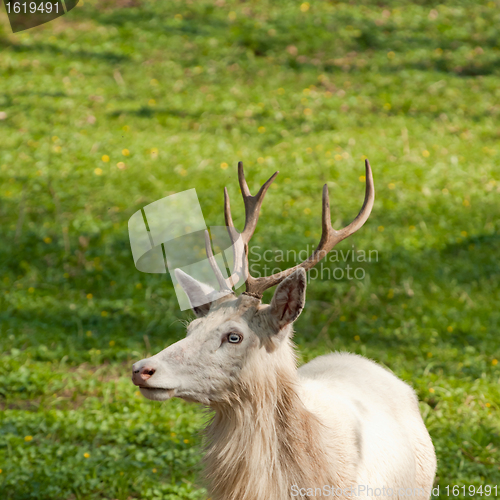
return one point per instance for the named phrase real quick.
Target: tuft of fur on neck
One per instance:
(264, 440)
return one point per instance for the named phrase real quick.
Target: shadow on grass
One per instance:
(40, 47)
(149, 112)
(313, 40)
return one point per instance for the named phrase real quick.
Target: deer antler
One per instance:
(255, 287)
(239, 241)
(223, 285)
(252, 211)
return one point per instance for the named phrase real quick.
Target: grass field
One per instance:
(118, 104)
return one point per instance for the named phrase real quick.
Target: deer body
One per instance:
(341, 426)
(376, 419)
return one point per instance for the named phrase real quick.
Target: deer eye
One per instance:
(234, 338)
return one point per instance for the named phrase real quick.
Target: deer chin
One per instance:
(157, 393)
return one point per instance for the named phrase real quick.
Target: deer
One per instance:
(341, 425)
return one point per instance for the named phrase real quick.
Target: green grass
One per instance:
(186, 88)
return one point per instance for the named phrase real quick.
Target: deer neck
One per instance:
(264, 441)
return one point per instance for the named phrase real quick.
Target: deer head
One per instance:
(235, 338)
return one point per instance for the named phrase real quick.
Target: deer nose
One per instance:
(142, 374)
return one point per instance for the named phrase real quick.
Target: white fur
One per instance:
(375, 415)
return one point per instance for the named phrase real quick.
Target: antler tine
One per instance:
(227, 209)
(252, 203)
(243, 183)
(213, 264)
(366, 209)
(326, 218)
(330, 237)
(236, 242)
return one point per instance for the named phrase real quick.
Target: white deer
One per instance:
(339, 426)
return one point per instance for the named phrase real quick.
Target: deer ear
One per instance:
(199, 294)
(288, 300)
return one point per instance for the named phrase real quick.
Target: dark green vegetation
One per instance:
(121, 103)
